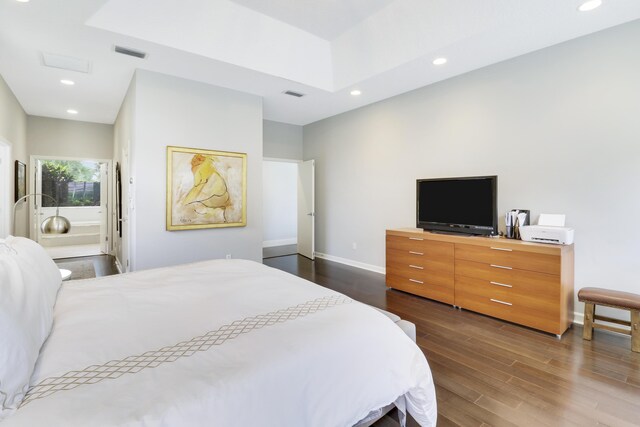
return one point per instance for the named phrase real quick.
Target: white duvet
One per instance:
(274, 350)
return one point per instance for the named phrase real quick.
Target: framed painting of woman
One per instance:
(205, 188)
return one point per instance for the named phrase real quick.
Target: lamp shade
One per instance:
(55, 225)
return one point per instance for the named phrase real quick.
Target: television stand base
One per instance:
(455, 233)
(449, 233)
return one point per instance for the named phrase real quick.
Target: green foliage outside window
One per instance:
(71, 183)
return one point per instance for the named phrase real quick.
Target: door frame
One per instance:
(299, 162)
(6, 202)
(34, 158)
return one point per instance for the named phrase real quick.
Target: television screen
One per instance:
(465, 205)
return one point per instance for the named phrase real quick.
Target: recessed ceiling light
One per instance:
(439, 61)
(70, 111)
(356, 92)
(22, 1)
(590, 5)
(67, 82)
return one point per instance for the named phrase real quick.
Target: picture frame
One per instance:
(205, 189)
(20, 180)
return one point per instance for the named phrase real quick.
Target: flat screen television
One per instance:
(458, 205)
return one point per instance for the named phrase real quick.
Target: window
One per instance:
(71, 182)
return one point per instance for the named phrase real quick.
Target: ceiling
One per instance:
(326, 19)
(321, 48)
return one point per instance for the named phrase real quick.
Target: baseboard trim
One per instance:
(281, 242)
(118, 266)
(578, 318)
(352, 263)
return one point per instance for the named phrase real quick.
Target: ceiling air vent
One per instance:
(130, 52)
(292, 93)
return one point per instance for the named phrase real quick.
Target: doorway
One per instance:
(279, 208)
(288, 208)
(79, 188)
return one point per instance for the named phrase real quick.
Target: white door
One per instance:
(104, 207)
(306, 209)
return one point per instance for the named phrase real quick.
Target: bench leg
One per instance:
(635, 331)
(589, 312)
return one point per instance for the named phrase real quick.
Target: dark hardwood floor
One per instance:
(104, 265)
(276, 251)
(489, 372)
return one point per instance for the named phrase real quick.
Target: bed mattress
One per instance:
(223, 342)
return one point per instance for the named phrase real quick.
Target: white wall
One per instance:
(279, 203)
(559, 127)
(282, 140)
(13, 131)
(173, 111)
(69, 138)
(123, 134)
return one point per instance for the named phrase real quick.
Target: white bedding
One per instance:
(297, 355)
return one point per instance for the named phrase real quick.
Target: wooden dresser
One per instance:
(526, 283)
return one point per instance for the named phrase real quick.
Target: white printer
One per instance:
(550, 229)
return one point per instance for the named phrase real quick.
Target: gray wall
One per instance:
(282, 140)
(69, 138)
(560, 127)
(13, 130)
(173, 111)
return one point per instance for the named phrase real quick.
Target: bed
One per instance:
(221, 342)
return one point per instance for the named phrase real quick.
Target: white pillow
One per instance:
(29, 283)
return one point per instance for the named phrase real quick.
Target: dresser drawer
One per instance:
(428, 275)
(420, 263)
(421, 267)
(514, 296)
(483, 297)
(418, 286)
(421, 247)
(492, 302)
(509, 258)
(527, 284)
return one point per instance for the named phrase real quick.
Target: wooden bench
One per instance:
(616, 299)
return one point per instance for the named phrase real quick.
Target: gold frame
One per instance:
(173, 149)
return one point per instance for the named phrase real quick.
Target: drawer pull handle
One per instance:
(502, 249)
(416, 266)
(416, 281)
(501, 284)
(501, 302)
(416, 253)
(501, 266)
(415, 238)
